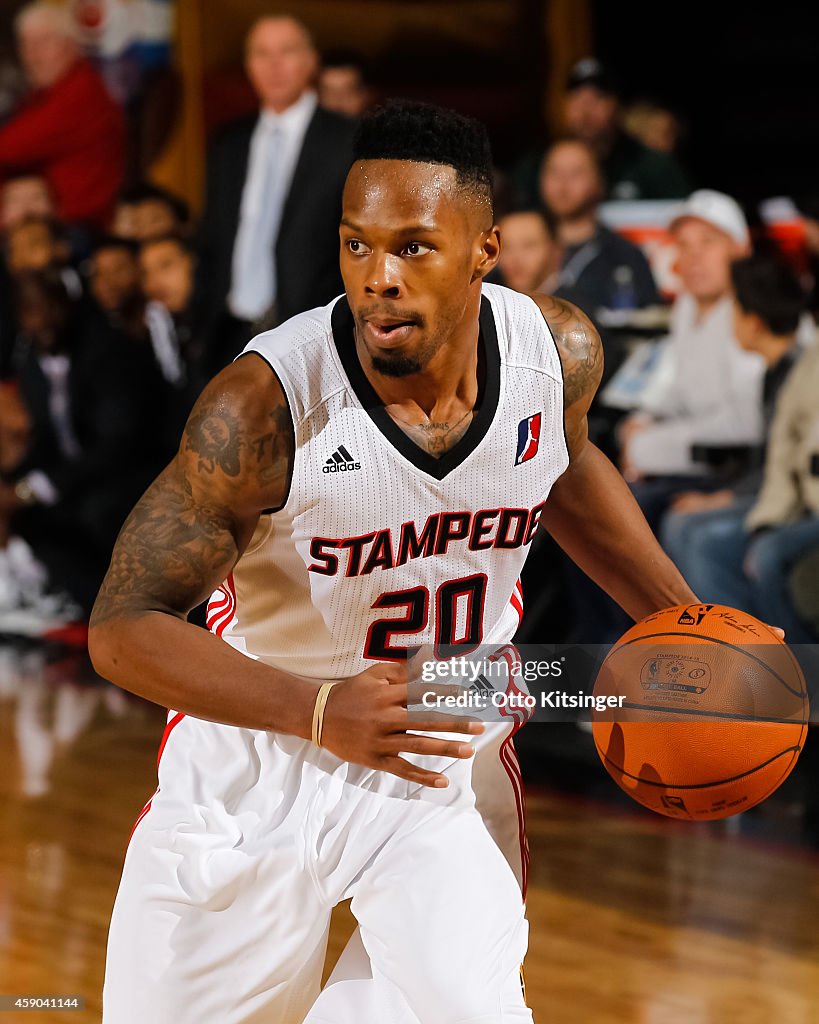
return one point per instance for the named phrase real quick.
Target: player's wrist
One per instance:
(319, 710)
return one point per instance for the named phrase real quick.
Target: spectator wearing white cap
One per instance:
(707, 390)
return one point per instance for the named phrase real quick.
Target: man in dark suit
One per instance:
(270, 229)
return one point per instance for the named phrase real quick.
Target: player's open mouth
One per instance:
(392, 333)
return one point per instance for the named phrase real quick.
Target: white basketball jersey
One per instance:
(379, 546)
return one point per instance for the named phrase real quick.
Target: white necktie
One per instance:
(254, 258)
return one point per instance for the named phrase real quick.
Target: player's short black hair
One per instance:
(767, 287)
(424, 133)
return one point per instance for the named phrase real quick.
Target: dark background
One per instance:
(745, 77)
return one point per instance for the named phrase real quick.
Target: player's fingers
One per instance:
(419, 692)
(424, 655)
(412, 773)
(394, 672)
(444, 723)
(777, 631)
(429, 745)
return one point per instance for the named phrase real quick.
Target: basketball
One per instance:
(713, 712)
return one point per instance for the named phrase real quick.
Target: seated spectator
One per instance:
(148, 211)
(114, 284)
(655, 126)
(36, 243)
(768, 304)
(804, 591)
(809, 208)
(12, 83)
(342, 83)
(592, 112)
(93, 449)
(706, 390)
(745, 561)
(631, 169)
(168, 268)
(23, 197)
(68, 130)
(529, 253)
(598, 269)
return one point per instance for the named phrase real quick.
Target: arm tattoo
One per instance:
(214, 436)
(581, 352)
(168, 552)
(189, 528)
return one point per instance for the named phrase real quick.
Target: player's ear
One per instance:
(488, 252)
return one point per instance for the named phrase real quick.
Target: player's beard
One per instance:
(402, 365)
(397, 366)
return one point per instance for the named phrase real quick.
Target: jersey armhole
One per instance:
(271, 367)
(562, 380)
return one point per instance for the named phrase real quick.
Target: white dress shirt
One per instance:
(274, 151)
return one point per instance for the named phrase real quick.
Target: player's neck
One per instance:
(577, 230)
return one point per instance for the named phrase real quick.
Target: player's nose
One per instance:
(384, 275)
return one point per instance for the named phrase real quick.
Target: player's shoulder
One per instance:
(301, 353)
(304, 330)
(578, 344)
(523, 335)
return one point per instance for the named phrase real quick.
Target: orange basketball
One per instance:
(713, 714)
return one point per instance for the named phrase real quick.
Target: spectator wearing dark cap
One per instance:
(342, 85)
(632, 170)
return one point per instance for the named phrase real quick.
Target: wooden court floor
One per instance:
(633, 920)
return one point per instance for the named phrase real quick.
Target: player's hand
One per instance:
(366, 722)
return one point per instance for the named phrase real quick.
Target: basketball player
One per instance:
(365, 479)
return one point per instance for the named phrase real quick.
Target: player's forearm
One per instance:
(178, 665)
(592, 514)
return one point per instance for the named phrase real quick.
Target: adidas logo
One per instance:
(340, 462)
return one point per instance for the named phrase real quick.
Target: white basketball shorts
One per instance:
(252, 837)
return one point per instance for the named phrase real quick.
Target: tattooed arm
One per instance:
(591, 512)
(182, 539)
(180, 542)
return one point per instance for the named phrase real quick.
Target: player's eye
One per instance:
(356, 247)
(417, 249)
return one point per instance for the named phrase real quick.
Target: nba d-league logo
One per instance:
(528, 438)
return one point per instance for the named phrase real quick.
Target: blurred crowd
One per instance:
(116, 306)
